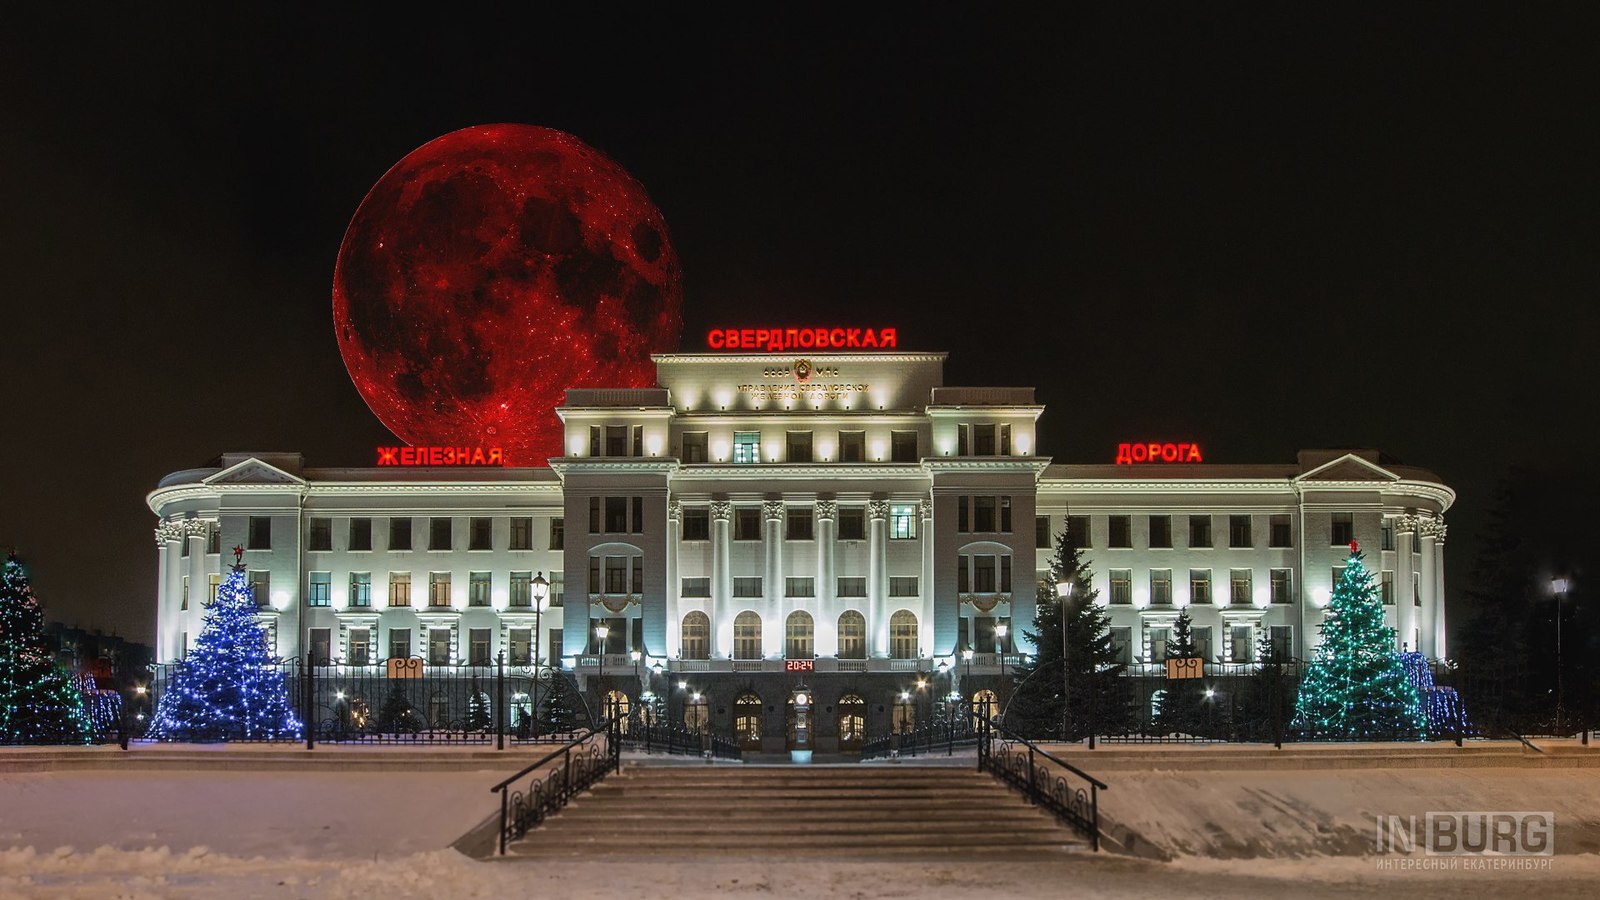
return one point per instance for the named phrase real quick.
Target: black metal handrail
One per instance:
(1079, 808)
(521, 811)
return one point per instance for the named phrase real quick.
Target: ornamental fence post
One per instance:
(308, 721)
(500, 700)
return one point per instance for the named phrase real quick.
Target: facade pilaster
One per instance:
(878, 576)
(721, 579)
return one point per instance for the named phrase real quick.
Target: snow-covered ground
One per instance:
(362, 835)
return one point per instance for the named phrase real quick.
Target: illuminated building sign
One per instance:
(777, 340)
(1129, 454)
(441, 456)
(799, 665)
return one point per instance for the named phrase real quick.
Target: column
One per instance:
(778, 604)
(925, 583)
(674, 586)
(721, 579)
(1439, 648)
(196, 532)
(826, 523)
(170, 621)
(1405, 532)
(878, 577)
(1426, 532)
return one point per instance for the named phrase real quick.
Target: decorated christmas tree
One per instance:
(39, 701)
(1356, 687)
(227, 687)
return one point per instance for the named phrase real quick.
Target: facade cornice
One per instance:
(561, 465)
(793, 353)
(1034, 464)
(807, 471)
(1435, 492)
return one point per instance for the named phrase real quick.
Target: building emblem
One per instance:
(802, 369)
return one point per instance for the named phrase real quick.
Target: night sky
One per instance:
(1262, 233)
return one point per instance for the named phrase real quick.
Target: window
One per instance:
(478, 647)
(519, 646)
(319, 535)
(558, 533)
(1344, 529)
(1005, 574)
(903, 446)
(903, 635)
(1239, 531)
(617, 574)
(360, 534)
(480, 533)
(400, 533)
(1199, 586)
(747, 524)
(558, 589)
(797, 524)
(1122, 646)
(261, 587)
(1160, 587)
(903, 586)
(1199, 531)
(1005, 515)
(594, 440)
(477, 588)
(319, 589)
(1161, 532)
(399, 588)
(1158, 643)
(852, 524)
(1202, 642)
(521, 595)
(360, 647)
(616, 515)
(746, 634)
(1281, 591)
(399, 643)
(800, 586)
(638, 515)
(1386, 535)
(963, 578)
(1416, 588)
(747, 587)
(1121, 586)
(439, 537)
(696, 587)
(984, 638)
(1078, 531)
(438, 646)
(1118, 533)
(696, 524)
(694, 447)
(213, 585)
(1041, 532)
(746, 447)
(1386, 587)
(185, 603)
(798, 447)
(983, 574)
(1239, 593)
(1278, 533)
(983, 518)
(1334, 575)
(1240, 645)
(852, 635)
(438, 589)
(695, 636)
(617, 633)
(982, 440)
(260, 537)
(852, 586)
(1282, 641)
(360, 590)
(1005, 440)
(214, 541)
(616, 440)
(521, 533)
(799, 636)
(852, 446)
(902, 521)
(964, 514)
(594, 575)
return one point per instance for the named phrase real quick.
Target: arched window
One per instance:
(985, 705)
(903, 635)
(617, 704)
(852, 635)
(799, 636)
(695, 714)
(747, 712)
(695, 640)
(747, 636)
(852, 722)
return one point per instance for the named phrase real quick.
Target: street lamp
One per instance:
(539, 593)
(1000, 632)
(600, 633)
(656, 669)
(1558, 587)
(1063, 595)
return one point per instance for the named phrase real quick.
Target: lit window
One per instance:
(902, 521)
(746, 447)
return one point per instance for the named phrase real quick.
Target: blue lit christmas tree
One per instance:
(39, 702)
(227, 688)
(1356, 687)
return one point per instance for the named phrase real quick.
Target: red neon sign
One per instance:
(441, 456)
(778, 340)
(799, 665)
(1157, 452)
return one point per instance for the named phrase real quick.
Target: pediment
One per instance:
(1349, 467)
(254, 471)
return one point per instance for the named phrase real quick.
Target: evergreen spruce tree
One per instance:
(1183, 703)
(1266, 705)
(1356, 687)
(398, 715)
(39, 701)
(479, 715)
(1036, 705)
(227, 687)
(558, 708)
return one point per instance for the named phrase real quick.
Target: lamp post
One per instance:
(1000, 632)
(1063, 595)
(539, 593)
(638, 675)
(1558, 587)
(600, 633)
(665, 717)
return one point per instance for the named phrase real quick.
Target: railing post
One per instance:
(504, 800)
(1094, 817)
(308, 721)
(1031, 783)
(500, 700)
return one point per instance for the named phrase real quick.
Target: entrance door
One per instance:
(852, 721)
(747, 712)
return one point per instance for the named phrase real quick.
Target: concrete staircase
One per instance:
(789, 812)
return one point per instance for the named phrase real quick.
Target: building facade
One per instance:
(846, 521)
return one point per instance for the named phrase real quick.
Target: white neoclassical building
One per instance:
(759, 519)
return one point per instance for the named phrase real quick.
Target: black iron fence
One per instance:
(555, 778)
(1044, 780)
(643, 730)
(943, 735)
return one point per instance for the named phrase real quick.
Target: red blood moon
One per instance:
(491, 269)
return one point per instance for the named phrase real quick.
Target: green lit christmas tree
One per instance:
(1355, 688)
(39, 702)
(227, 687)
